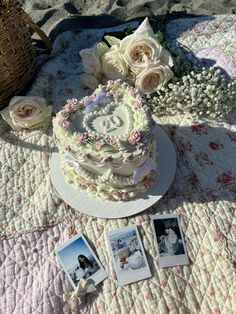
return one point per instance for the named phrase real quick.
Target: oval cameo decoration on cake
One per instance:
(114, 120)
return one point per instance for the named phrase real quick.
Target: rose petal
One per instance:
(6, 116)
(90, 61)
(112, 40)
(113, 64)
(22, 99)
(89, 80)
(145, 29)
(46, 122)
(166, 58)
(153, 78)
(141, 50)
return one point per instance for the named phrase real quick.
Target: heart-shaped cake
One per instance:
(106, 142)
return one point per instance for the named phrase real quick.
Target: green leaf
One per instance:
(129, 31)
(161, 39)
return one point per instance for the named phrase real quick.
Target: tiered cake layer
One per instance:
(106, 142)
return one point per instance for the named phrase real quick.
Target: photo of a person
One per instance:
(78, 260)
(86, 265)
(127, 251)
(169, 238)
(128, 255)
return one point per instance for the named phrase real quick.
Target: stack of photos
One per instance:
(129, 259)
(169, 240)
(79, 261)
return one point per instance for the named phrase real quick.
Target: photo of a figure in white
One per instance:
(85, 267)
(78, 260)
(168, 237)
(127, 251)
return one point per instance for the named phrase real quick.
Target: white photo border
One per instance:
(134, 275)
(173, 260)
(97, 277)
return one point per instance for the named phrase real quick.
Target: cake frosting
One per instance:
(106, 143)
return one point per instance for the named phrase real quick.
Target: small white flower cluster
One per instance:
(204, 93)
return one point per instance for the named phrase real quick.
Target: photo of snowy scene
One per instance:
(78, 260)
(127, 250)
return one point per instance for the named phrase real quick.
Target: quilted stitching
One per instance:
(203, 192)
(209, 148)
(26, 189)
(32, 280)
(190, 289)
(211, 38)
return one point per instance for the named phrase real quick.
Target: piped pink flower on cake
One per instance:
(117, 82)
(65, 124)
(71, 104)
(81, 181)
(116, 195)
(125, 196)
(112, 141)
(105, 160)
(84, 157)
(126, 160)
(67, 148)
(82, 138)
(138, 103)
(148, 183)
(98, 144)
(134, 137)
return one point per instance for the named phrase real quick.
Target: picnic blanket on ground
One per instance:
(34, 220)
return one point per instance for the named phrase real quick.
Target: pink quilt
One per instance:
(203, 192)
(31, 279)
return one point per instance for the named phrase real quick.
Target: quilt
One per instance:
(34, 220)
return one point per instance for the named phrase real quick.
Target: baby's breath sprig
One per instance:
(202, 93)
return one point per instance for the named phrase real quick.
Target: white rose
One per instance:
(113, 64)
(91, 61)
(153, 78)
(27, 113)
(89, 80)
(142, 48)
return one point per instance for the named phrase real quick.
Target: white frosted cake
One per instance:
(106, 143)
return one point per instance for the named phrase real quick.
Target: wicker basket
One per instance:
(17, 54)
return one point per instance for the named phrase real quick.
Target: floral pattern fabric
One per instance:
(203, 192)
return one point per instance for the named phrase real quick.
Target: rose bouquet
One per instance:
(138, 59)
(171, 84)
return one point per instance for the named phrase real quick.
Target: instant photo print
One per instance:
(79, 261)
(128, 256)
(169, 240)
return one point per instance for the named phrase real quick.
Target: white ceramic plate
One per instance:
(106, 209)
